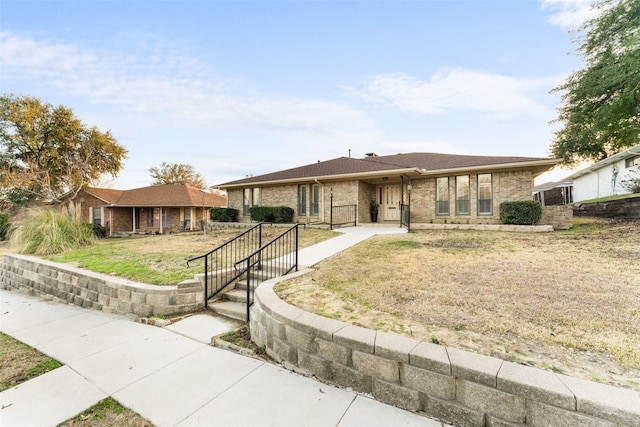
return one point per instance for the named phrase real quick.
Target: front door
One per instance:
(391, 202)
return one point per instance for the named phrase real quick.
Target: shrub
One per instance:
(46, 232)
(278, 214)
(97, 230)
(525, 212)
(632, 182)
(224, 214)
(4, 226)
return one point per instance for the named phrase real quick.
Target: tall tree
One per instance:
(47, 152)
(600, 115)
(176, 173)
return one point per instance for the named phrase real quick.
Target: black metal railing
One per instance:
(343, 215)
(276, 258)
(405, 216)
(219, 263)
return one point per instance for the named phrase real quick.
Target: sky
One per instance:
(250, 87)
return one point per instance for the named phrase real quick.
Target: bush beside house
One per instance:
(524, 212)
(223, 214)
(277, 214)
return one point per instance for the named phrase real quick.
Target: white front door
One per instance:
(391, 202)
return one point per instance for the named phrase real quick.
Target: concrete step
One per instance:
(236, 295)
(234, 310)
(242, 284)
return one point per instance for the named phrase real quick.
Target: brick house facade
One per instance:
(442, 188)
(154, 209)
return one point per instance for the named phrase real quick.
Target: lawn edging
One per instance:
(88, 289)
(455, 386)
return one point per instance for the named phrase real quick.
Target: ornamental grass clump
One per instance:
(47, 232)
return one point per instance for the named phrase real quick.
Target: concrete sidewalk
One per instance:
(171, 376)
(350, 236)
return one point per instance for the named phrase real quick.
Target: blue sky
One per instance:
(250, 87)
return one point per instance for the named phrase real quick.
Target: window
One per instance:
(302, 199)
(463, 196)
(255, 197)
(97, 216)
(167, 218)
(187, 217)
(246, 199)
(485, 194)
(442, 196)
(633, 161)
(153, 217)
(315, 197)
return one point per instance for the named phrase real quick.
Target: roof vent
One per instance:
(370, 154)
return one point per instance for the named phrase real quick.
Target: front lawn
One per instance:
(161, 260)
(567, 301)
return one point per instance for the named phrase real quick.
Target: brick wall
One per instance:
(624, 208)
(455, 386)
(98, 291)
(560, 217)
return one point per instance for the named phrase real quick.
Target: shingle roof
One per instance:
(160, 196)
(409, 161)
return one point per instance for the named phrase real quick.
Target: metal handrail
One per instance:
(221, 260)
(346, 214)
(276, 258)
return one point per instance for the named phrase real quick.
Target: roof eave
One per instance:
(345, 176)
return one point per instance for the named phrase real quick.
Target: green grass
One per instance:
(610, 198)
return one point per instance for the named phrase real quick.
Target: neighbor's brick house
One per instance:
(154, 209)
(444, 188)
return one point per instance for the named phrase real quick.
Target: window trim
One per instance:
(440, 202)
(466, 202)
(302, 199)
(314, 199)
(490, 199)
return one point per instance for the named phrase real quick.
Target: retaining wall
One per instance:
(628, 208)
(455, 386)
(98, 291)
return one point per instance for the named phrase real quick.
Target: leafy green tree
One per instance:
(600, 114)
(47, 152)
(176, 173)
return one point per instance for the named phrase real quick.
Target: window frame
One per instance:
(314, 199)
(246, 199)
(461, 202)
(302, 199)
(480, 187)
(440, 202)
(632, 162)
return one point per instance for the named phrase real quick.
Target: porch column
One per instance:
(133, 225)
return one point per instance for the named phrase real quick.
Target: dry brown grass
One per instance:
(566, 301)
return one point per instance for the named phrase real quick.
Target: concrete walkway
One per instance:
(171, 375)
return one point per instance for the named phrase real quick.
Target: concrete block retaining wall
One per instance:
(455, 386)
(98, 291)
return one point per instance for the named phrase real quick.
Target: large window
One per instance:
(315, 199)
(246, 199)
(463, 196)
(442, 196)
(153, 217)
(302, 200)
(255, 197)
(485, 194)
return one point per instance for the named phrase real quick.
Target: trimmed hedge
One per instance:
(276, 214)
(525, 212)
(223, 214)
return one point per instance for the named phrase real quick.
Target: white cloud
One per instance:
(455, 90)
(160, 82)
(569, 14)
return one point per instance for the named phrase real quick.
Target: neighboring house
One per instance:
(554, 193)
(154, 209)
(603, 178)
(444, 187)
